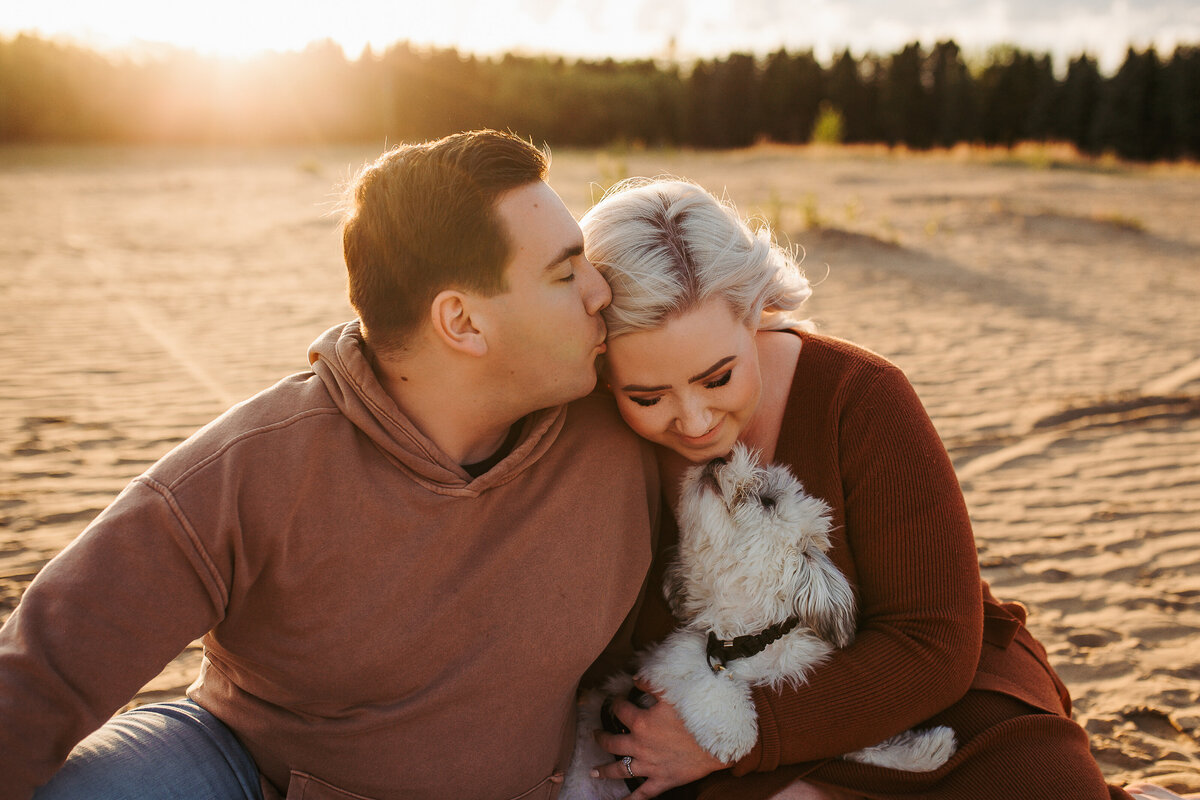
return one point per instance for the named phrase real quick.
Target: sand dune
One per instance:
(1047, 316)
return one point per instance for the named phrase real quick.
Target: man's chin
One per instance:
(589, 383)
(582, 388)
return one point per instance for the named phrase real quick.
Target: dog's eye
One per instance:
(767, 501)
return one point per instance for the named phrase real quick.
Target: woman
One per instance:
(703, 352)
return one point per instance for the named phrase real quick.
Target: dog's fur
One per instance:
(752, 553)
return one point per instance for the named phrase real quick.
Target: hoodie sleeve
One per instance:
(99, 621)
(618, 656)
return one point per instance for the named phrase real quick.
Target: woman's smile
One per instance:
(705, 438)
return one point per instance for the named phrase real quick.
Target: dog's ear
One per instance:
(675, 587)
(825, 603)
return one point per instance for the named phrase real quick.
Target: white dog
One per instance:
(761, 604)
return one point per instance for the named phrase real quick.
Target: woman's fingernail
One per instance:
(595, 773)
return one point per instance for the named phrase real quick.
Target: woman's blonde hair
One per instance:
(666, 245)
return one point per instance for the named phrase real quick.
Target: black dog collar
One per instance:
(722, 651)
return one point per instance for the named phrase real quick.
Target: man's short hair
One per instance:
(422, 218)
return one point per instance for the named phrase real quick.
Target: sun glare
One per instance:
(224, 28)
(584, 28)
(229, 28)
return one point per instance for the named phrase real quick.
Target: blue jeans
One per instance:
(165, 751)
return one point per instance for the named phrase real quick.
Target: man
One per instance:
(401, 562)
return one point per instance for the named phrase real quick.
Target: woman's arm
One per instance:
(876, 457)
(909, 539)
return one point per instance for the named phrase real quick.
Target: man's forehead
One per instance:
(538, 224)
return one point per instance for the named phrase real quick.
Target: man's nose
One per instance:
(593, 288)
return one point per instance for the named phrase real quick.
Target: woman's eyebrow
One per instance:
(694, 379)
(711, 369)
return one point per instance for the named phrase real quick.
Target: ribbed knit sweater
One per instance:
(930, 632)
(374, 619)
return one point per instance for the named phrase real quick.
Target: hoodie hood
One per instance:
(337, 357)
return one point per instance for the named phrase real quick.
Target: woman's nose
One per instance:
(694, 422)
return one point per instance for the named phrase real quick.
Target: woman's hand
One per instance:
(662, 749)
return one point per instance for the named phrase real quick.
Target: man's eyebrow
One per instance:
(570, 251)
(706, 373)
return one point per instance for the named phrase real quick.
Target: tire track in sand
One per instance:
(152, 324)
(1154, 399)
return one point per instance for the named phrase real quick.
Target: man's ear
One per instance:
(450, 313)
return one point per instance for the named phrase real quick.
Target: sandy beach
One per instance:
(1047, 313)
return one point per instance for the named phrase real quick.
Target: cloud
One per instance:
(1062, 28)
(640, 28)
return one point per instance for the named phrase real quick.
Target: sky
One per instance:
(618, 28)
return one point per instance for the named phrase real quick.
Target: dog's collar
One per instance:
(722, 651)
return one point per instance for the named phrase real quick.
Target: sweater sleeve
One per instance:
(920, 612)
(99, 621)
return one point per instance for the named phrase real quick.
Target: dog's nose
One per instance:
(710, 469)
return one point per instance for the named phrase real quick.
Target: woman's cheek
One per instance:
(641, 419)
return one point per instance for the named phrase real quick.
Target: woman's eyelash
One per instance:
(716, 383)
(719, 382)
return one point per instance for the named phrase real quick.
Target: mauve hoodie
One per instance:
(376, 622)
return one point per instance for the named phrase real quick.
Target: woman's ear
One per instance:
(450, 313)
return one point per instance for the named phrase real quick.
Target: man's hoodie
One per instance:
(376, 622)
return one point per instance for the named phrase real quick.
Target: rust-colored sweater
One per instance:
(857, 436)
(376, 620)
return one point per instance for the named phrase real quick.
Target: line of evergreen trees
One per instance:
(1148, 110)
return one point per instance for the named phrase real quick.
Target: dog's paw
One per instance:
(578, 784)
(719, 711)
(911, 751)
(588, 711)
(618, 685)
(716, 707)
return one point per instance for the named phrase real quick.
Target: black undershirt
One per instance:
(510, 441)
